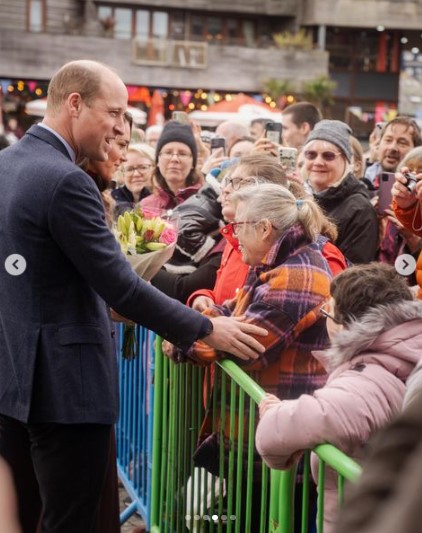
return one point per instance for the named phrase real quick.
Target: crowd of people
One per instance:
(289, 272)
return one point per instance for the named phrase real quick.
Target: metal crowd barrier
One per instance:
(134, 428)
(155, 457)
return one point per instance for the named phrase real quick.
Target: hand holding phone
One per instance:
(273, 132)
(385, 198)
(218, 142)
(180, 116)
(288, 158)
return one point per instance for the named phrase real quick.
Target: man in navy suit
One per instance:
(60, 269)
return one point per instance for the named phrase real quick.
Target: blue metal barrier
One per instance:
(134, 428)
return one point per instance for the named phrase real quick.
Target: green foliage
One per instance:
(277, 88)
(319, 91)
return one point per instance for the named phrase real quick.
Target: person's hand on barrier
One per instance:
(201, 303)
(167, 349)
(267, 403)
(232, 335)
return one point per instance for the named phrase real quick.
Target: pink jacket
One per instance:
(372, 360)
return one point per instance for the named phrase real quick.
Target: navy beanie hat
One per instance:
(177, 132)
(335, 132)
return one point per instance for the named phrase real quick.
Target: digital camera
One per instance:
(411, 181)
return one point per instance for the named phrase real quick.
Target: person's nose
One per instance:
(119, 126)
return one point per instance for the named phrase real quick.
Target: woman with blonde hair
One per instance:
(137, 173)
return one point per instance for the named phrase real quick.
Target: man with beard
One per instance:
(398, 137)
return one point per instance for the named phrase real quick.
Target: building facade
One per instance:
(218, 47)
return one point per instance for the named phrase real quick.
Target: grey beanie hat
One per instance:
(333, 131)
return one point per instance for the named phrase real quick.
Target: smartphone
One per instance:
(379, 126)
(385, 198)
(218, 142)
(180, 116)
(273, 132)
(288, 158)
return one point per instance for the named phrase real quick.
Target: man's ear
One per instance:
(74, 104)
(305, 128)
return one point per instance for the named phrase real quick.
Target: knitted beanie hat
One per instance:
(333, 131)
(177, 132)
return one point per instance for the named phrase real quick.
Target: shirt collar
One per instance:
(70, 150)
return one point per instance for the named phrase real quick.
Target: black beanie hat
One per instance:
(177, 132)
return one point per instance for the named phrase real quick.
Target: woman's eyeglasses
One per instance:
(237, 182)
(181, 156)
(327, 314)
(138, 168)
(310, 155)
(235, 225)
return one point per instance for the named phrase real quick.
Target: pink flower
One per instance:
(168, 235)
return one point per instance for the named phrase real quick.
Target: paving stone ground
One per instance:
(135, 520)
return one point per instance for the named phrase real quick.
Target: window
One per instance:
(36, 13)
(214, 28)
(123, 27)
(177, 26)
(142, 24)
(160, 21)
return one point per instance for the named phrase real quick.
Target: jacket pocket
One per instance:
(75, 334)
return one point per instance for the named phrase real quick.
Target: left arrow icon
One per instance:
(15, 264)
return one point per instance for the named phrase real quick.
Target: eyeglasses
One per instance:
(310, 155)
(326, 314)
(238, 182)
(137, 168)
(235, 225)
(181, 156)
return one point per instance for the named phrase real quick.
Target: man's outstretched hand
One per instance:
(232, 335)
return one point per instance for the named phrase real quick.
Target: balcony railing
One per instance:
(162, 52)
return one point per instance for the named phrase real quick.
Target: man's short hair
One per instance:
(408, 122)
(83, 77)
(359, 288)
(303, 112)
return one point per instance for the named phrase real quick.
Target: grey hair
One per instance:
(268, 201)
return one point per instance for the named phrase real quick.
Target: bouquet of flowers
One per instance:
(148, 241)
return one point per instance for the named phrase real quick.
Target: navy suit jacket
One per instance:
(57, 357)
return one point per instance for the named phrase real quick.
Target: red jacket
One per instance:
(232, 273)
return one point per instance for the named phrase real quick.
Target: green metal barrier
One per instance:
(245, 496)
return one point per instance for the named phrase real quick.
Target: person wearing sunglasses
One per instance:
(375, 329)
(327, 168)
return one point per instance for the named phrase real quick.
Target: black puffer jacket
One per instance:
(349, 207)
(199, 221)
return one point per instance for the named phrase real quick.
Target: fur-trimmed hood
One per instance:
(388, 330)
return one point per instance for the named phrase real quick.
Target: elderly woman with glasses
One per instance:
(287, 283)
(175, 177)
(137, 173)
(327, 168)
(375, 329)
